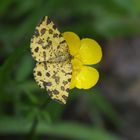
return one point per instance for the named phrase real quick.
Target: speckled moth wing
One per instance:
(47, 43)
(53, 70)
(55, 78)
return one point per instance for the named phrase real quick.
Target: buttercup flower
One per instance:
(85, 52)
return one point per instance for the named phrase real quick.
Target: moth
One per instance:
(53, 70)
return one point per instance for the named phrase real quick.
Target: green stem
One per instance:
(32, 133)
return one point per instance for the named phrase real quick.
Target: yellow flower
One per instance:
(85, 52)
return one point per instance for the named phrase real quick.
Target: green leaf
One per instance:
(104, 106)
(6, 68)
(66, 129)
(25, 68)
(4, 5)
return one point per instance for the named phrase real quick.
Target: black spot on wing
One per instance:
(55, 35)
(40, 41)
(48, 74)
(69, 80)
(43, 30)
(58, 46)
(45, 84)
(44, 55)
(49, 42)
(50, 31)
(56, 92)
(48, 21)
(62, 42)
(69, 73)
(39, 73)
(67, 89)
(54, 26)
(62, 88)
(45, 64)
(64, 97)
(57, 100)
(56, 78)
(60, 35)
(36, 49)
(50, 93)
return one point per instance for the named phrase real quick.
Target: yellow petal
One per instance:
(90, 51)
(76, 67)
(73, 42)
(73, 80)
(87, 77)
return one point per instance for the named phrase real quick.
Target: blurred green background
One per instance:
(108, 111)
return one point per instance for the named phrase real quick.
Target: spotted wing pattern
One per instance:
(47, 43)
(53, 69)
(55, 78)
